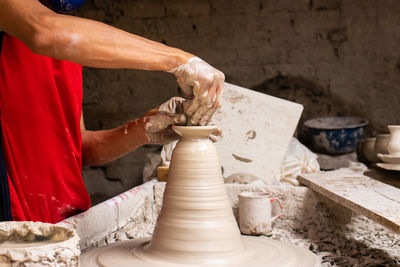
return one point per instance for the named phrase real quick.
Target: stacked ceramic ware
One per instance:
(390, 156)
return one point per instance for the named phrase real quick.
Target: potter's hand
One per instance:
(157, 123)
(216, 135)
(203, 84)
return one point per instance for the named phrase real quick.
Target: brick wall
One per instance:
(348, 49)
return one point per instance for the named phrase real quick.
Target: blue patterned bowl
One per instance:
(335, 135)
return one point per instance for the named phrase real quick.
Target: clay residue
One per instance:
(35, 243)
(241, 178)
(250, 135)
(235, 97)
(240, 158)
(26, 244)
(252, 228)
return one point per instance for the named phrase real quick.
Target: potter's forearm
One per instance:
(96, 44)
(100, 147)
(84, 41)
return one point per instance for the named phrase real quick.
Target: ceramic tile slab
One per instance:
(256, 131)
(376, 200)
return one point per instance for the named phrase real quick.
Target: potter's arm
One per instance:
(84, 41)
(96, 44)
(154, 127)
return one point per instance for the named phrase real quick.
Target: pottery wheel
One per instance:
(196, 226)
(258, 252)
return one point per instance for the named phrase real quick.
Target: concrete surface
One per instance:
(338, 236)
(128, 215)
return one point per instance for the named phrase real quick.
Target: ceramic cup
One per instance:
(381, 143)
(368, 150)
(394, 142)
(255, 212)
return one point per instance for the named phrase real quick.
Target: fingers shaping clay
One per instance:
(196, 226)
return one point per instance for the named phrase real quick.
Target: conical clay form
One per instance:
(196, 223)
(196, 226)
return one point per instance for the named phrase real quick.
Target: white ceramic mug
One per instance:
(255, 212)
(394, 141)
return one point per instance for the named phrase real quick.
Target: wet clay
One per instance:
(37, 244)
(196, 226)
(26, 244)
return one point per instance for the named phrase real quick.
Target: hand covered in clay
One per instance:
(201, 83)
(158, 122)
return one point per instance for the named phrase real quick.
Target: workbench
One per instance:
(374, 194)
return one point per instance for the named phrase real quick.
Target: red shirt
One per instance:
(40, 110)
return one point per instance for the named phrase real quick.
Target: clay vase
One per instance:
(394, 142)
(196, 224)
(381, 143)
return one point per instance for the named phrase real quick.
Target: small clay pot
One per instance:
(360, 151)
(394, 142)
(381, 143)
(368, 150)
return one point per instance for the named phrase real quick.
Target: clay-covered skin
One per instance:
(154, 127)
(157, 122)
(202, 84)
(196, 226)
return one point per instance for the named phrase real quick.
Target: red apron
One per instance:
(40, 109)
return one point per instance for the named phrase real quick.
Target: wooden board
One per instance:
(256, 131)
(376, 200)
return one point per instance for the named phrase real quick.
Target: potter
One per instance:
(255, 213)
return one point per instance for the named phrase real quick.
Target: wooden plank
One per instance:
(256, 131)
(376, 200)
